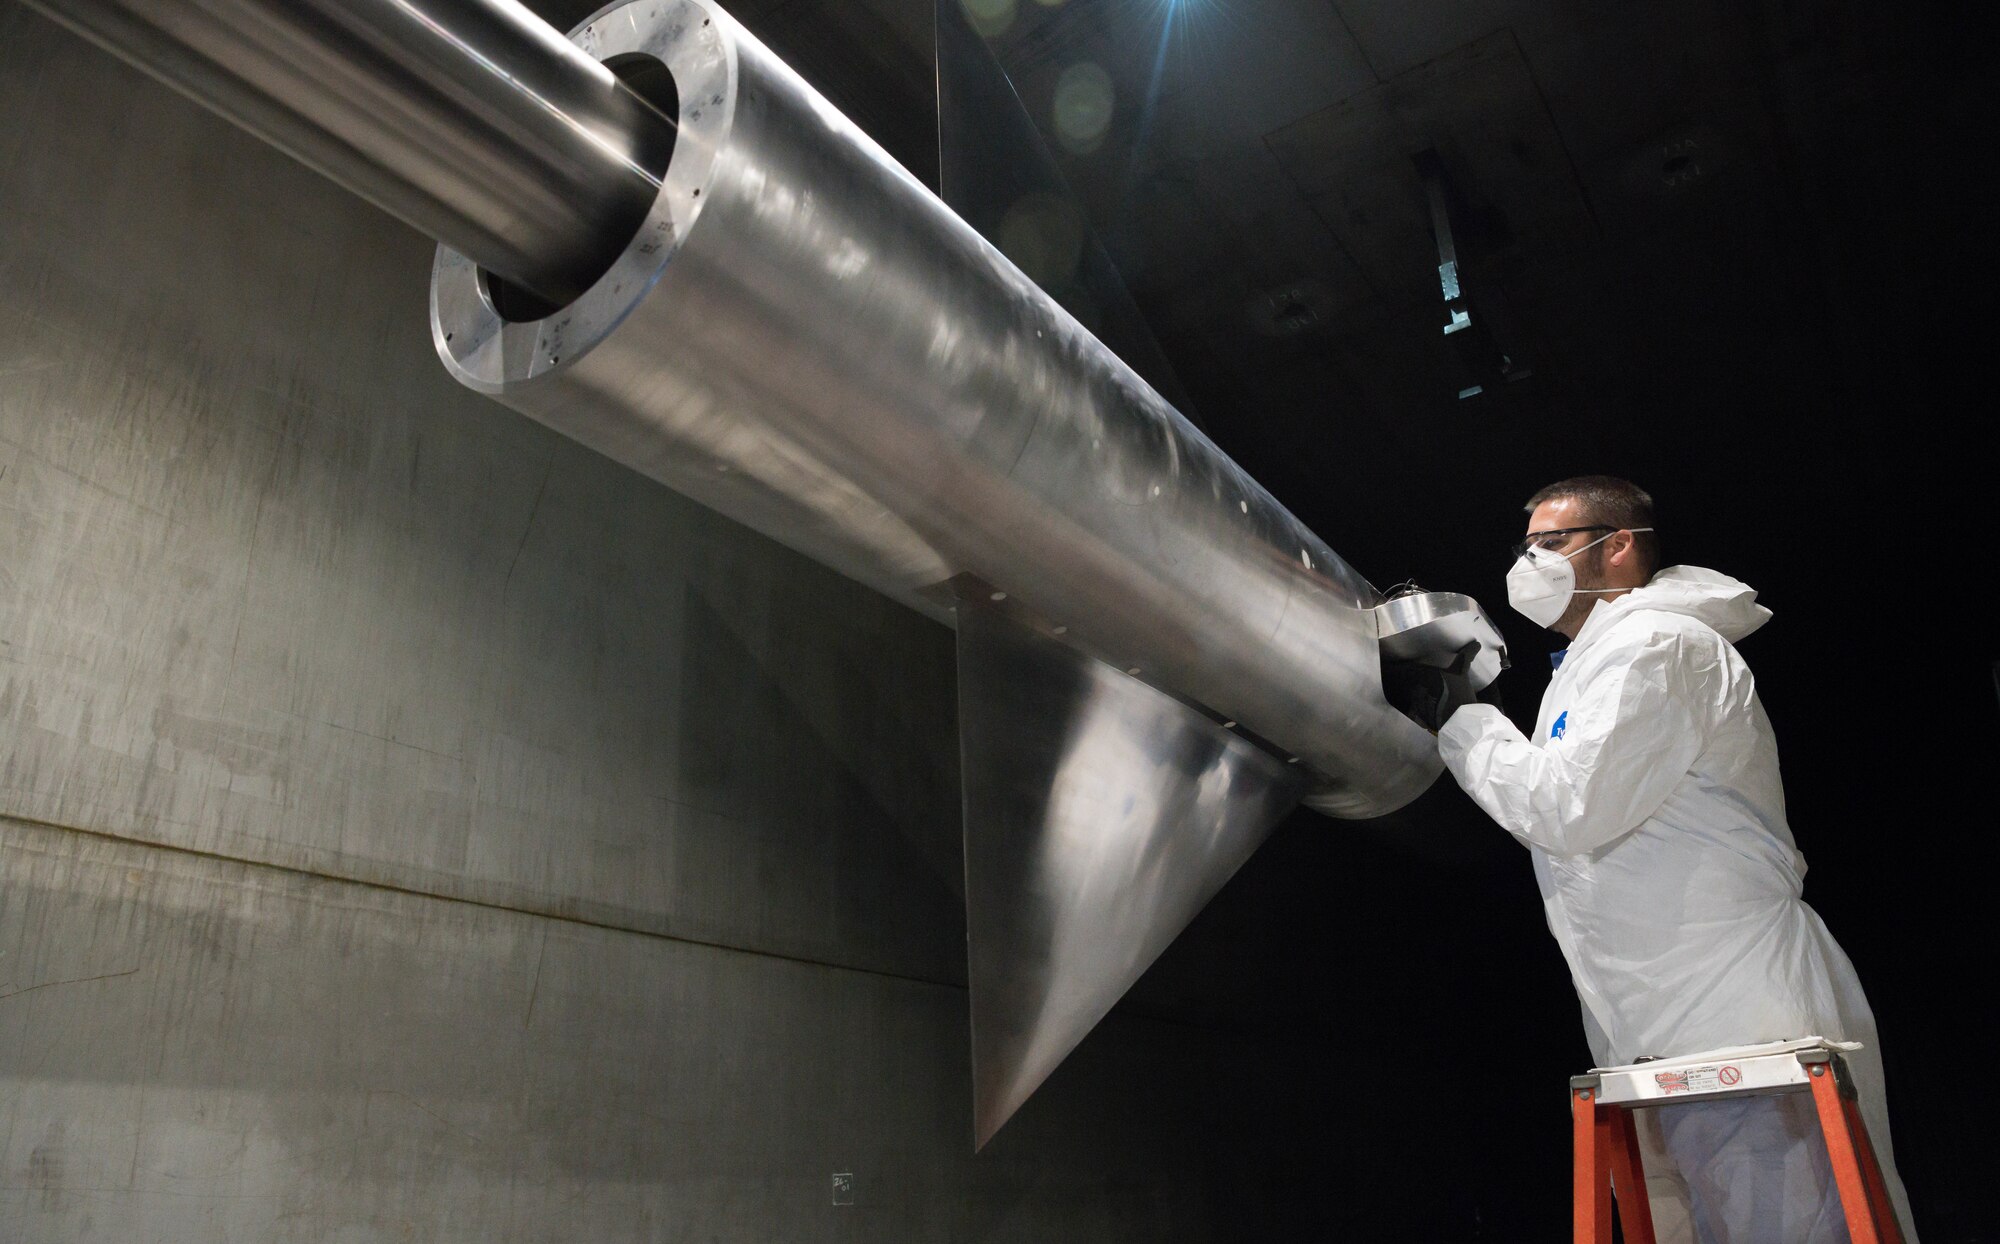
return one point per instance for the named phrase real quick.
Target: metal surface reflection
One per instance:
(786, 326)
(1427, 628)
(805, 338)
(470, 120)
(800, 335)
(1100, 816)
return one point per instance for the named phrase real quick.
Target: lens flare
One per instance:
(990, 17)
(1084, 101)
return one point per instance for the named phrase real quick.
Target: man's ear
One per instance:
(1622, 554)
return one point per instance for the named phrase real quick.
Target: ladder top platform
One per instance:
(1734, 1071)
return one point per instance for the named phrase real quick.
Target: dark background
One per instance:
(1743, 248)
(1797, 369)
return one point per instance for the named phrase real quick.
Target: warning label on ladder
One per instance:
(1709, 1079)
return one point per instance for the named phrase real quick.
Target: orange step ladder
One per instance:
(1607, 1144)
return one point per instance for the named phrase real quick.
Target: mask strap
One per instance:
(1601, 591)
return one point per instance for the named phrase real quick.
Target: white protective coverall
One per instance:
(1651, 801)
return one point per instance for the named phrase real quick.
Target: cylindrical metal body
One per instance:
(470, 120)
(803, 337)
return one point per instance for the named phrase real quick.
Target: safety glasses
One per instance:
(1551, 539)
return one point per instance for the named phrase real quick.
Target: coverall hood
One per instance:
(1727, 606)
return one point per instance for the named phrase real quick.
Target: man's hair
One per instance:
(1613, 502)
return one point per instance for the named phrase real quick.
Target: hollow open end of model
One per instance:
(649, 78)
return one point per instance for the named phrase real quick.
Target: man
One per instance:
(1650, 800)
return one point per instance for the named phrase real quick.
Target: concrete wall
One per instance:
(413, 826)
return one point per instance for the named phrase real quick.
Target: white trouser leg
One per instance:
(1756, 1170)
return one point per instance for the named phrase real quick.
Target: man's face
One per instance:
(1558, 515)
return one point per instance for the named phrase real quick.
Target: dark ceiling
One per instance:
(1653, 198)
(1742, 248)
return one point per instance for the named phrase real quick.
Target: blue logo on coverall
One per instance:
(1562, 724)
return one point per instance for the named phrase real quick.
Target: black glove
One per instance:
(1430, 694)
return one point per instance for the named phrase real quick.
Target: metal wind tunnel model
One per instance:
(659, 240)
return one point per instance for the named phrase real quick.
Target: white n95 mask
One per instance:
(1540, 585)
